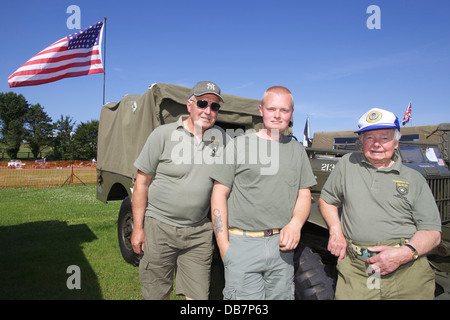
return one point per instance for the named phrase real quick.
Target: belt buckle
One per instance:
(268, 233)
(364, 254)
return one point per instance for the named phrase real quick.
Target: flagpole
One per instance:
(104, 61)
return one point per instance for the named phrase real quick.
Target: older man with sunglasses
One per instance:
(171, 199)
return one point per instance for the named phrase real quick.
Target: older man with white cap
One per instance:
(389, 218)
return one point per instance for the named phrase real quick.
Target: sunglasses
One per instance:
(202, 104)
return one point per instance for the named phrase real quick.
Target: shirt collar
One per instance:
(180, 121)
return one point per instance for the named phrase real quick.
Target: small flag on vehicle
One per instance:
(306, 140)
(407, 115)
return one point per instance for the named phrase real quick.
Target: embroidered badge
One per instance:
(402, 187)
(214, 144)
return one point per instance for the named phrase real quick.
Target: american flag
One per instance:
(76, 55)
(407, 115)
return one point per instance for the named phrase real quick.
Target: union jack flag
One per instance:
(407, 115)
(76, 55)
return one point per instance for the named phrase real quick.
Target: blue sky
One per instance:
(322, 50)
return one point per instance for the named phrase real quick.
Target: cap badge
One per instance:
(373, 117)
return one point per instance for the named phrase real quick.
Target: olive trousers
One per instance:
(357, 281)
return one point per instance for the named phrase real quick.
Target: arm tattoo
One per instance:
(218, 225)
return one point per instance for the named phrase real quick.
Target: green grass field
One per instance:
(43, 231)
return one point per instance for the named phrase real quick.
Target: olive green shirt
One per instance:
(380, 204)
(180, 166)
(264, 177)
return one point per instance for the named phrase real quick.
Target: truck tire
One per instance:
(311, 278)
(124, 230)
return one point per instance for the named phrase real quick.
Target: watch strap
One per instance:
(415, 254)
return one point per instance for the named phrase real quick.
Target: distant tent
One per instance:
(327, 139)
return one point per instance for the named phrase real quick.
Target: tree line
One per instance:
(21, 122)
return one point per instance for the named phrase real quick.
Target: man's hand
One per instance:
(223, 248)
(138, 241)
(290, 236)
(337, 245)
(139, 204)
(388, 258)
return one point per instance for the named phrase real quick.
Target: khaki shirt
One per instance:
(180, 166)
(380, 204)
(264, 177)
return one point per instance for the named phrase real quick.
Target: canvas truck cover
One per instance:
(325, 140)
(125, 126)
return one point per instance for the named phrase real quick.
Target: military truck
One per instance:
(124, 127)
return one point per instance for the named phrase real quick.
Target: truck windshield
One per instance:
(418, 154)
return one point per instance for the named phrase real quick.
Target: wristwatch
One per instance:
(415, 254)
